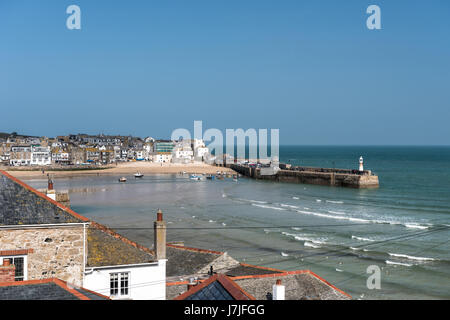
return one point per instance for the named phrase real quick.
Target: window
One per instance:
(19, 263)
(119, 284)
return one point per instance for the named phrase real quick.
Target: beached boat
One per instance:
(123, 179)
(138, 175)
(195, 177)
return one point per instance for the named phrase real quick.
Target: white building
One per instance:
(122, 269)
(41, 156)
(20, 156)
(161, 157)
(182, 153)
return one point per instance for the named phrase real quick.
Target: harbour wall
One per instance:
(319, 176)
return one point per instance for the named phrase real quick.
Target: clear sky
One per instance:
(310, 68)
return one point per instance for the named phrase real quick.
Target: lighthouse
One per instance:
(361, 164)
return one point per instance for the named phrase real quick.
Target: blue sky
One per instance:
(309, 68)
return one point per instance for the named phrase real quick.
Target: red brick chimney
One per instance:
(7, 271)
(159, 228)
(50, 183)
(278, 291)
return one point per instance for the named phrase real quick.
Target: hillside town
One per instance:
(93, 150)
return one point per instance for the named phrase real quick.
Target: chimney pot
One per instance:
(278, 291)
(160, 236)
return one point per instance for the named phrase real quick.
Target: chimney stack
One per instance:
(7, 271)
(159, 227)
(50, 192)
(278, 291)
(50, 183)
(191, 283)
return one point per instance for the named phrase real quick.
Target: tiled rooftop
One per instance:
(49, 289)
(106, 250)
(20, 205)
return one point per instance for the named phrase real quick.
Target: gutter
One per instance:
(89, 271)
(44, 226)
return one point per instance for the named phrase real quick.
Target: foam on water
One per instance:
(267, 207)
(311, 245)
(398, 263)
(334, 201)
(362, 239)
(397, 255)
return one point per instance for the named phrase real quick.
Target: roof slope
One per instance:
(300, 285)
(104, 249)
(22, 205)
(187, 261)
(217, 287)
(48, 289)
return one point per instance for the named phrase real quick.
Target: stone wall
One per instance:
(52, 252)
(326, 178)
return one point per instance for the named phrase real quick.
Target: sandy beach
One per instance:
(125, 168)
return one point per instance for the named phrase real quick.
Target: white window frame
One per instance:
(119, 284)
(25, 264)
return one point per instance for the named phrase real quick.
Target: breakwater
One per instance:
(311, 175)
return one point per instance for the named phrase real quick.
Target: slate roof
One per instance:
(246, 270)
(299, 285)
(187, 261)
(106, 248)
(217, 287)
(22, 205)
(48, 289)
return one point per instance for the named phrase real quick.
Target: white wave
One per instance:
(224, 195)
(355, 249)
(211, 221)
(224, 224)
(339, 270)
(410, 257)
(311, 240)
(297, 229)
(415, 226)
(193, 217)
(323, 215)
(295, 198)
(289, 206)
(399, 263)
(284, 254)
(334, 201)
(353, 219)
(267, 207)
(336, 212)
(252, 201)
(311, 245)
(306, 208)
(362, 239)
(288, 234)
(318, 200)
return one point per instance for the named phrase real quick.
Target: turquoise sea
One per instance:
(403, 227)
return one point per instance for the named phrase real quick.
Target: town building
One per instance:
(44, 239)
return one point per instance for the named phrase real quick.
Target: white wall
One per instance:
(146, 282)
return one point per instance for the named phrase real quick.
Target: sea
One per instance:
(397, 234)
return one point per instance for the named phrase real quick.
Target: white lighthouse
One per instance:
(361, 164)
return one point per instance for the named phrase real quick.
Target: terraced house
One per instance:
(43, 239)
